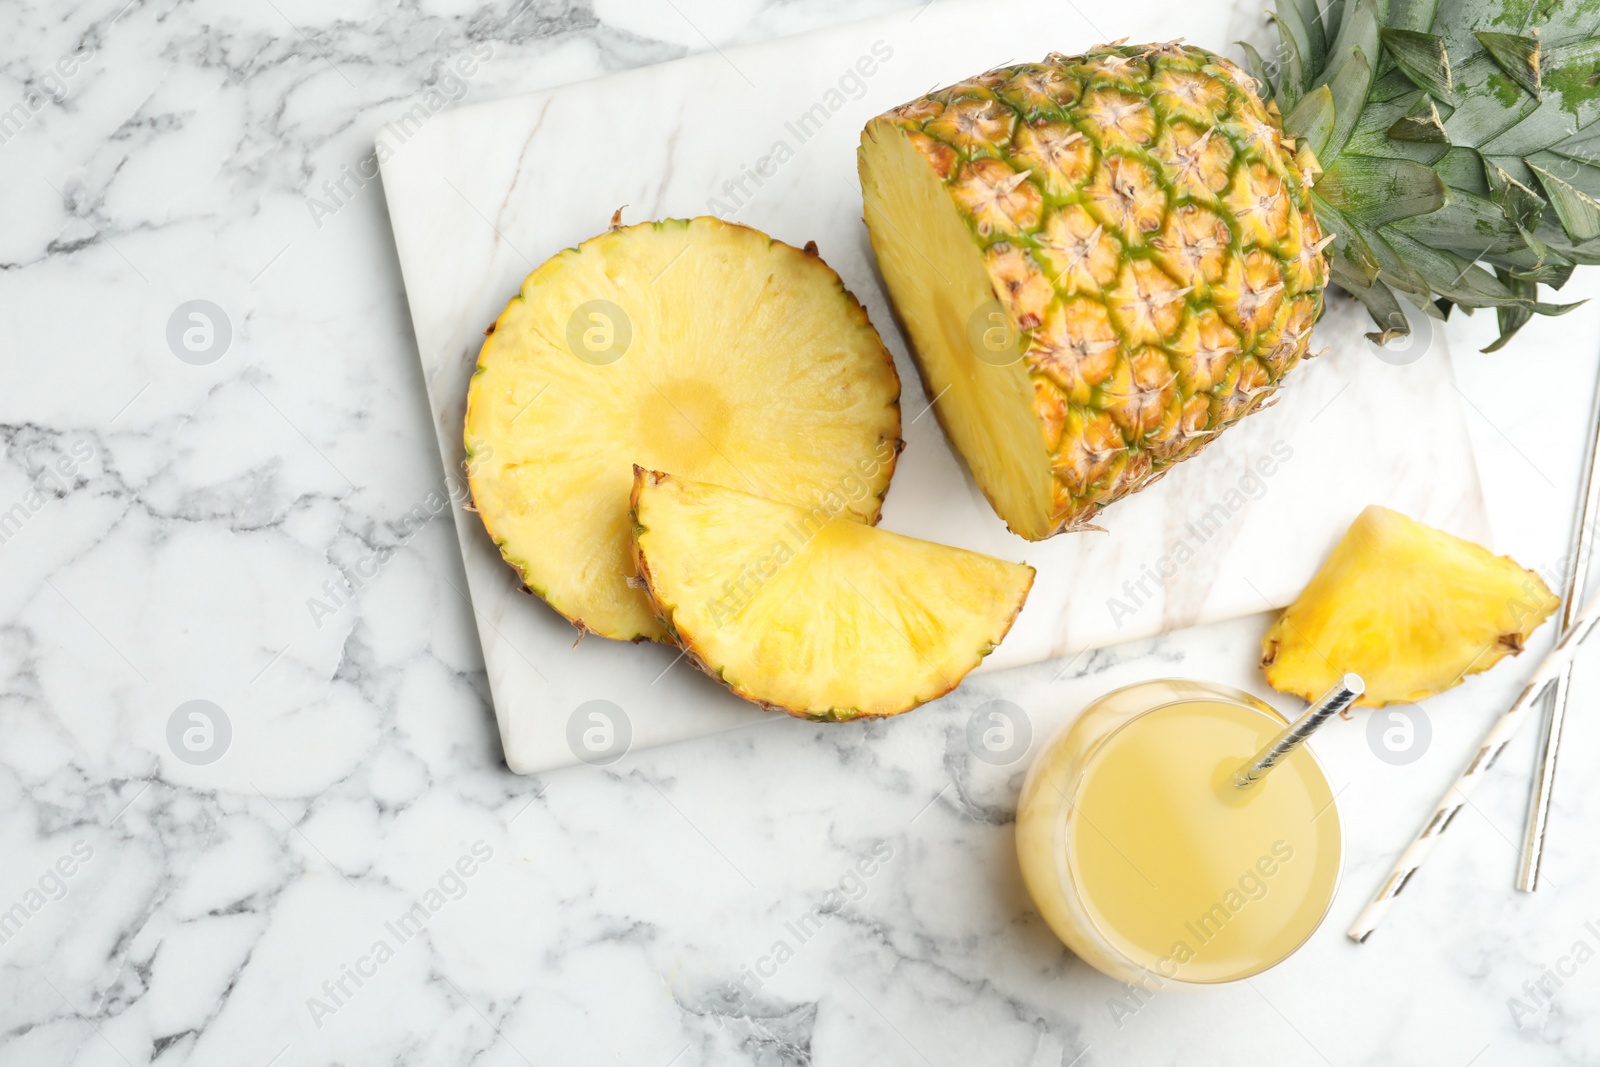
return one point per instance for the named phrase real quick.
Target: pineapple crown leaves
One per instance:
(1459, 142)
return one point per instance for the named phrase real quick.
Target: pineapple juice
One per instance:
(1148, 862)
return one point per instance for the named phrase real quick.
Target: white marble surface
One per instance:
(480, 195)
(610, 913)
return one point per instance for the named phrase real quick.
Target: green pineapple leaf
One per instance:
(1460, 147)
(1421, 124)
(1378, 299)
(1349, 88)
(1512, 317)
(1312, 120)
(1423, 58)
(1308, 14)
(1520, 204)
(1579, 212)
(1292, 77)
(1517, 56)
(1258, 70)
(1379, 191)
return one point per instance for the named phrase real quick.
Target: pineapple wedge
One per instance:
(812, 614)
(701, 346)
(1411, 609)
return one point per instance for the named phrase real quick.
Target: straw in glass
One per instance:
(1333, 701)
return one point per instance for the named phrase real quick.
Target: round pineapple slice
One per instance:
(1411, 609)
(812, 614)
(700, 346)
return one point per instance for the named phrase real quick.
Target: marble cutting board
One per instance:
(480, 195)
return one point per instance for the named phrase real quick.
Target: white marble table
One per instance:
(357, 878)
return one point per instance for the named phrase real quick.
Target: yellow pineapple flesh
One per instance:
(1411, 609)
(811, 614)
(1101, 261)
(700, 346)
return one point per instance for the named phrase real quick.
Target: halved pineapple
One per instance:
(700, 346)
(1101, 261)
(1411, 609)
(813, 614)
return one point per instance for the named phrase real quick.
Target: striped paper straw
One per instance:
(1456, 797)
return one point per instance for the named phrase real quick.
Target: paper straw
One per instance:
(1456, 797)
(1555, 707)
(1332, 703)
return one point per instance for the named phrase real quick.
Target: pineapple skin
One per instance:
(1148, 231)
(1412, 609)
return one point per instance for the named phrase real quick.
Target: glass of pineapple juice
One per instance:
(1149, 863)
